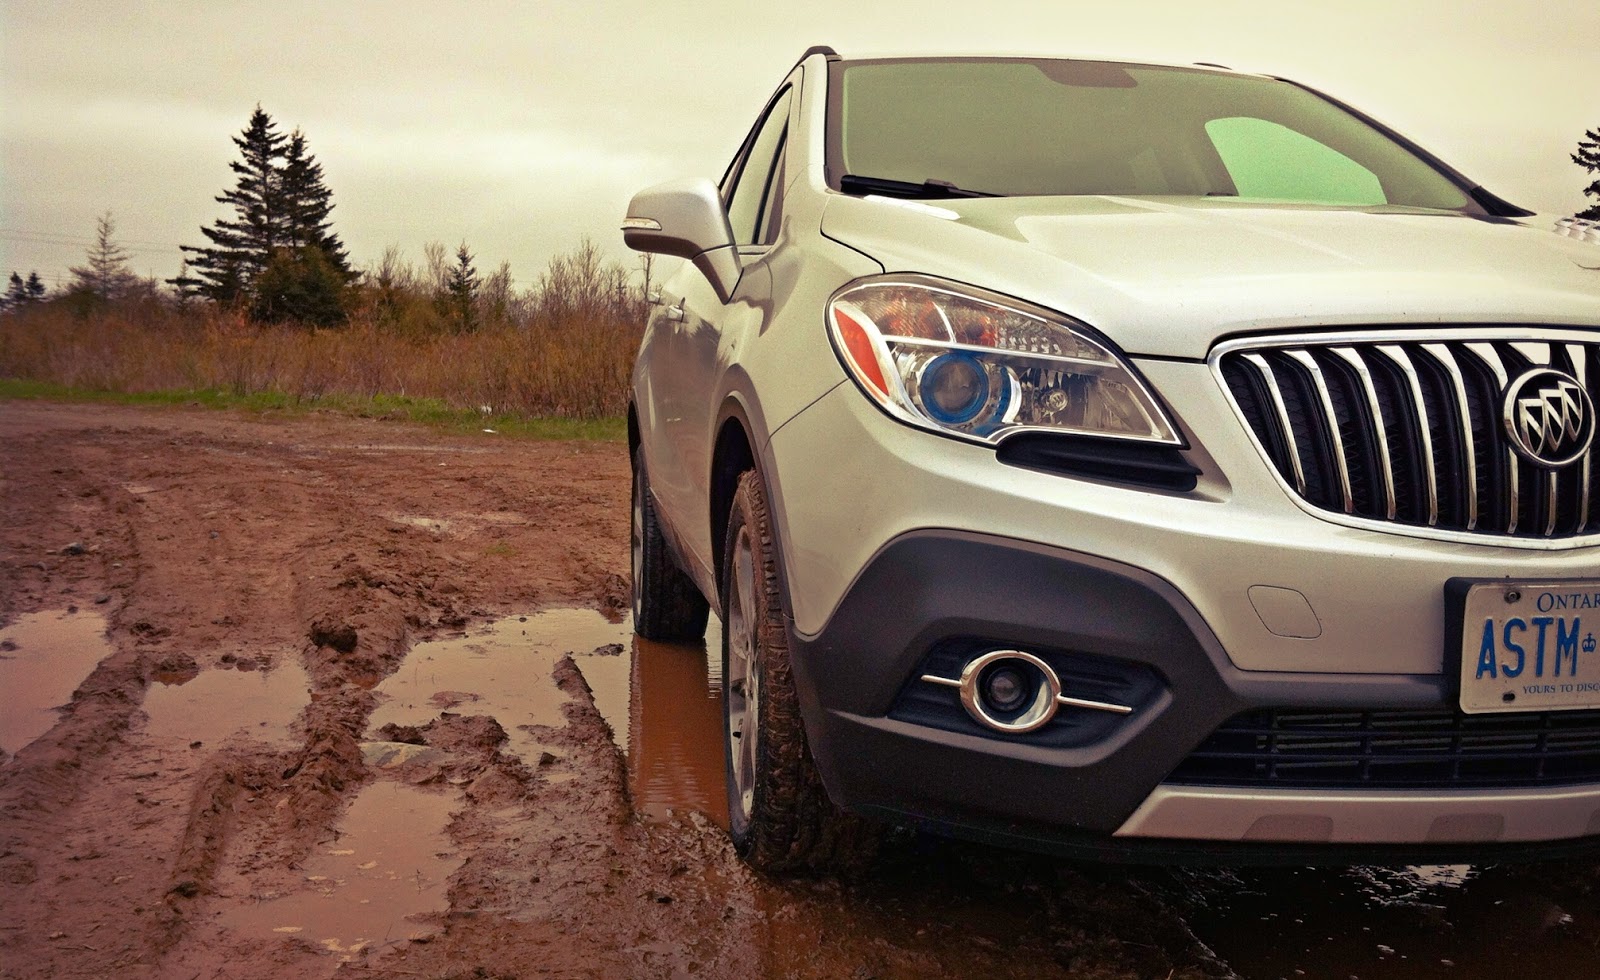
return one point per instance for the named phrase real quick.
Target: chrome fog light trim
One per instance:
(1047, 699)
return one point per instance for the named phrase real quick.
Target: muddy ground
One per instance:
(345, 697)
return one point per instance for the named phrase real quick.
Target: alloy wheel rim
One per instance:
(744, 679)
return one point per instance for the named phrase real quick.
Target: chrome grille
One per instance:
(1408, 428)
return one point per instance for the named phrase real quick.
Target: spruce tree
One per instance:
(306, 203)
(22, 293)
(16, 295)
(242, 246)
(106, 276)
(259, 258)
(1588, 157)
(461, 292)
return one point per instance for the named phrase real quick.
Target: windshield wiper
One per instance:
(928, 190)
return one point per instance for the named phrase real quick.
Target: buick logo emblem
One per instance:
(1549, 417)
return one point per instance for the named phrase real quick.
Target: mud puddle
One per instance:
(675, 716)
(663, 701)
(1439, 921)
(376, 882)
(214, 705)
(43, 658)
(503, 670)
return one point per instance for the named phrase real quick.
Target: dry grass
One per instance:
(573, 366)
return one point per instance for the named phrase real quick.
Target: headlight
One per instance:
(974, 364)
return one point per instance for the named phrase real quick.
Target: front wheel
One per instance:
(779, 814)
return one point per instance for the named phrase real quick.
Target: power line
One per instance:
(58, 238)
(77, 238)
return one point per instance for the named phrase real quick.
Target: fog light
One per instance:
(1014, 693)
(1010, 691)
(1004, 688)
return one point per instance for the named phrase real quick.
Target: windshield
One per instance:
(978, 127)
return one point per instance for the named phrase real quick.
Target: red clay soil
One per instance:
(219, 542)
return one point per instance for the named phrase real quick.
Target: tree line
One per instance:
(276, 256)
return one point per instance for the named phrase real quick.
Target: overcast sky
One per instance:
(519, 128)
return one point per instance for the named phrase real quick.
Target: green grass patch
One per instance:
(423, 411)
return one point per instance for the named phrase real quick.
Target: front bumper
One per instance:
(1106, 796)
(925, 541)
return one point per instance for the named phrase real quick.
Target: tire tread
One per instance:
(796, 826)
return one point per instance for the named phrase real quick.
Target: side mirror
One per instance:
(685, 218)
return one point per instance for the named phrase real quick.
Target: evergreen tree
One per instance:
(306, 203)
(106, 276)
(1588, 157)
(242, 246)
(184, 286)
(461, 292)
(16, 295)
(280, 215)
(21, 292)
(300, 285)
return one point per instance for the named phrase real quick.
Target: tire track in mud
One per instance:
(214, 563)
(336, 544)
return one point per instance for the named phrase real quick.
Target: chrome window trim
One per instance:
(1580, 334)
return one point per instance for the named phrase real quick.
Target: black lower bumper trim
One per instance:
(928, 588)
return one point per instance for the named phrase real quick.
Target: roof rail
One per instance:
(822, 49)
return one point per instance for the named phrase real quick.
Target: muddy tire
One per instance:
(666, 603)
(779, 814)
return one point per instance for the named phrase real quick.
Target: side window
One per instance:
(1270, 161)
(766, 229)
(752, 189)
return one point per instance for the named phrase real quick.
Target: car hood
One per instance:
(1170, 277)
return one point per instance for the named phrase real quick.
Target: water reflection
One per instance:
(1454, 921)
(43, 658)
(663, 701)
(213, 705)
(502, 670)
(675, 715)
(386, 866)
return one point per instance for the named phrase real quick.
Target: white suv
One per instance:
(1125, 460)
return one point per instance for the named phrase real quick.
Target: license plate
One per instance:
(1530, 646)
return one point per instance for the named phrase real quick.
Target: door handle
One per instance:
(675, 313)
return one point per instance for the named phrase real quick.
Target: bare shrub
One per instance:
(564, 348)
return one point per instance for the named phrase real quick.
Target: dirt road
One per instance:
(236, 604)
(345, 697)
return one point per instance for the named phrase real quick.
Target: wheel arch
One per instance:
(733, 453)
(739, 446)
